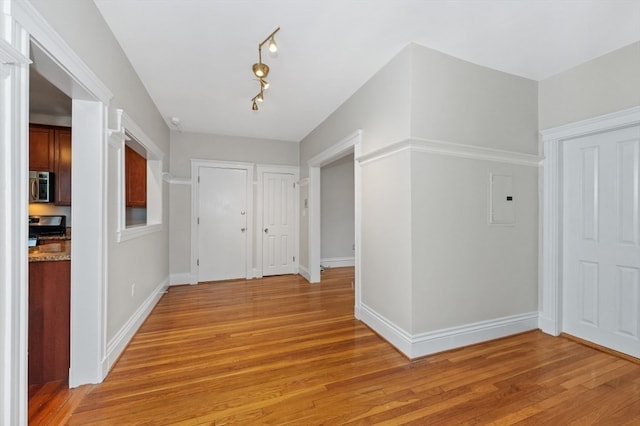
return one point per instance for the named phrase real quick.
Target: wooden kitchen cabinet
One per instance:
(135, 178)
(41, 148)
(62, 166)
(50, 151)
(49, 321)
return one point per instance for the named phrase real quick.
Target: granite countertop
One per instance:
(51, 251)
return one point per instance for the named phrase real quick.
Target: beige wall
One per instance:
(337, 209)
(461, 102)
(187, 146)
(603, 85)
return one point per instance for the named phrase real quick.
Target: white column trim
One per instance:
(14, 117)
(550, 315)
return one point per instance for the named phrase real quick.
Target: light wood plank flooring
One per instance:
(280, 351)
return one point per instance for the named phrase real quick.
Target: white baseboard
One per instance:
(304, 272)
(338, 262)
(119, 342)
(182, 278)
(414, 346)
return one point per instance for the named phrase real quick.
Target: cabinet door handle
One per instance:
(266, 230)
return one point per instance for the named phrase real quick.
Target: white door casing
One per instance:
(601, 256)
(278, 223)
(551, 208)
(222, 223)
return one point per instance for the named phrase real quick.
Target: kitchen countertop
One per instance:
(54, 250)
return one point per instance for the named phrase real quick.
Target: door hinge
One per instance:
(294, 185)
(198, 262)
(198, 220)
(198, 178)
(294, 258)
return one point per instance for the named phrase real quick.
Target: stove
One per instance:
(47, 225)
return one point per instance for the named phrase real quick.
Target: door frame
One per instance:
(350, 144)
(551, 209)
(292, 170)
(195, 203)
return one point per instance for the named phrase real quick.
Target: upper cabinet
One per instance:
(135, 178)
(50, 151)
(41, 148)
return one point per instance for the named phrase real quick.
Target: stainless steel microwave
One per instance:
(40, 187)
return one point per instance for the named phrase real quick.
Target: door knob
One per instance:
(266, 230)
(243, 229)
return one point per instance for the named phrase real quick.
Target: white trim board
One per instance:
(550, 182)
(119, 342)
(337, 262)
(182, 278)
(419, 345)
(452, 149)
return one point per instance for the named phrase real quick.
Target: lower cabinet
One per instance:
(49, 321)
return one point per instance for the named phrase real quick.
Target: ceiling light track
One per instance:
(261, 70)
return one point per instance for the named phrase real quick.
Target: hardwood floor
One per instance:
(280, 351)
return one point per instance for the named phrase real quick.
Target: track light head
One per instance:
(264, 84)
(254, 107)
(260, 70)
(273, 47)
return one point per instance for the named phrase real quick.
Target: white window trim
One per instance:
(117, 139)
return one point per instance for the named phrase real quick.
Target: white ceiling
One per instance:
(195, 56)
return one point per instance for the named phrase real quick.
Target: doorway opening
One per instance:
(347, 146)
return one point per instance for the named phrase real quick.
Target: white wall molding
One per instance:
(119, 342)
(304, 272)
(182, 278)
(610, 121)
(337, 262)
(452, 149)
(335, 151)
(45, 37)
(550, 209)
(174, 180)
(418, 345)
(11, 55)
(393, 334)
(14, 294)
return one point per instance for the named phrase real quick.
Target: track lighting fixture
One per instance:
(260, 70)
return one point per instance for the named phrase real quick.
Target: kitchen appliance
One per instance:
(47, 225)
(40, 187)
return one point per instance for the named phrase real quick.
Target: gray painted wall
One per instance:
(603, 85)
(337, 209)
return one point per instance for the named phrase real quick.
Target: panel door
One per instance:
(601, 279)
(278, 224)
(222, 228)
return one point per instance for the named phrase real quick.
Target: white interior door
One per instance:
(222, 223)
(601, 268)
(278, 224)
